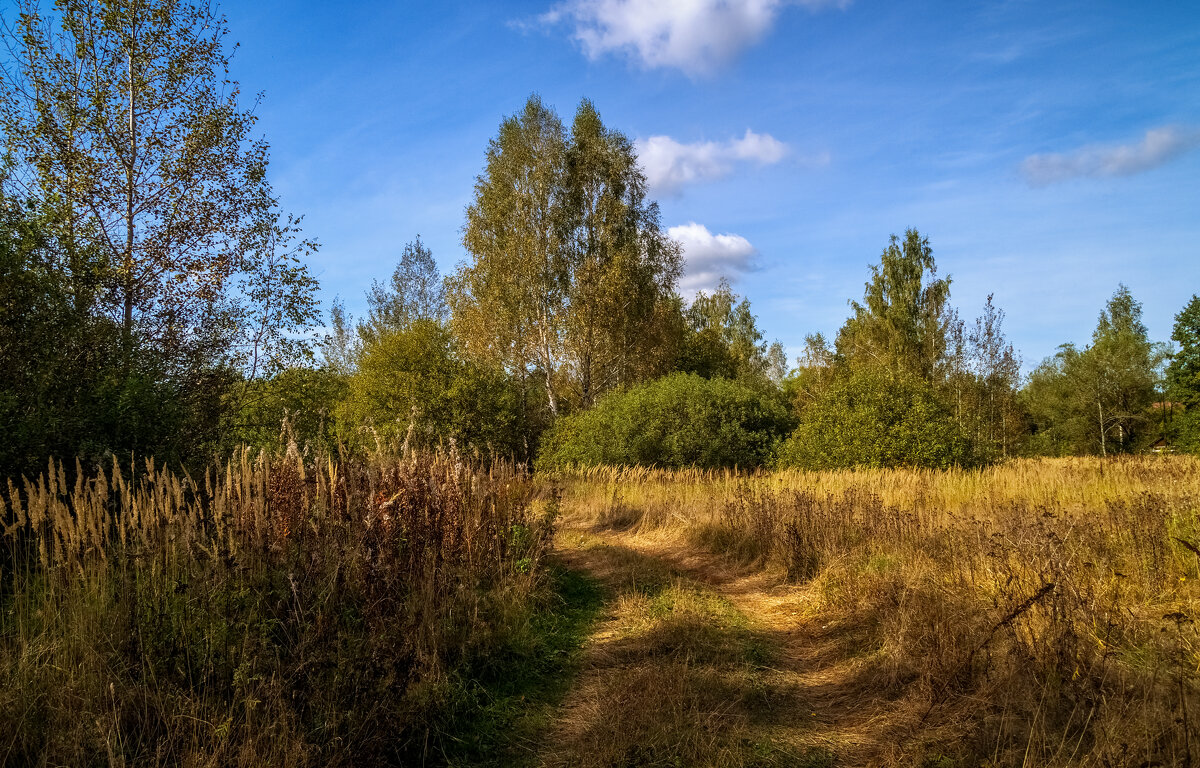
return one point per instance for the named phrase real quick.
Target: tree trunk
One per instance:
(546, 364)
(550, 395)
(127, 261)
(586, 364)
(1004, 433)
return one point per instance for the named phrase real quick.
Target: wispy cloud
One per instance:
(695, 36)
(670, 165)
(709, 257)
(1158, 146)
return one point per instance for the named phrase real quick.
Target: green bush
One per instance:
(70, 384)
(308, 398)
(681, 420)
(1187, 431)
(875, 419)
(416, 376)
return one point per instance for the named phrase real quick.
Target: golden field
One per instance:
(1038, 612)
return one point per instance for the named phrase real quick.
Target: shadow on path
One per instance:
(697, 662)
(674, 675)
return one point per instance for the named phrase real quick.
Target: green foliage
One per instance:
(680, 420)
(1097, 400)
(415, 292)
(569, 268)
(620, 266)
(297, 403)
(66, 387)
(908, 385)
(1183, 375)
(979, 377)
(1187, 431)
(1062, 416)
(876, 418)
(120, 117)
(148, 266)
(276, 300)
(415, 377)
(339, 348)
(1183, 380)
(900, 324)
(812, 375)
(721, 339)
(510, 700)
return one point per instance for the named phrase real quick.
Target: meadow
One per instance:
(417, 607)
(1038, 612)
(553, 495)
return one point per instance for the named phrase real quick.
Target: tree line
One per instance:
(154, 299)
(562, 338)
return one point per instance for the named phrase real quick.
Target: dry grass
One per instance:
(278, 611)
(1034, 613)
(675, 675)
(291, 611)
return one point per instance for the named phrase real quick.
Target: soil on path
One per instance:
(696, 662)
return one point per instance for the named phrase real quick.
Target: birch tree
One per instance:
(120, 114)
(569, 270)
(509, 302)
(415, 292)
(1097, 399)
(997, 371)
(621, 266)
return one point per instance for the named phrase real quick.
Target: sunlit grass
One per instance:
(1038, 612)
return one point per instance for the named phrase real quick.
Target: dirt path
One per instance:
(697, 662)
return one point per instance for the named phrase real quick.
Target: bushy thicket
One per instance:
(68, 385)
(876, 418)
(1187, 431)
(413, 383)
(681, 420)
(296, 403)
(1183, 379)
(1097, 399)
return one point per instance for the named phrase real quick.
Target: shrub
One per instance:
(68, 383)
(1187, 429)
(876, 419)
(307, 398)
(415, 377)
(679, 420)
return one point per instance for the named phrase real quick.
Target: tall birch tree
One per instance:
(508, 303)
(901, 323)
(121, 116)
(570, 272)
(621, 265)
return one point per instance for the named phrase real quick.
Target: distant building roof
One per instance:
(1159, 405)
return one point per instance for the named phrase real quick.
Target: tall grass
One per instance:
(277, 611)
(1035, 613)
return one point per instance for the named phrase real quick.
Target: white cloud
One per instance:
(670, 165)
(696, 36)
(709, 257)
(1158, 146)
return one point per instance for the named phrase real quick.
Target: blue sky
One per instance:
(1050, 150)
